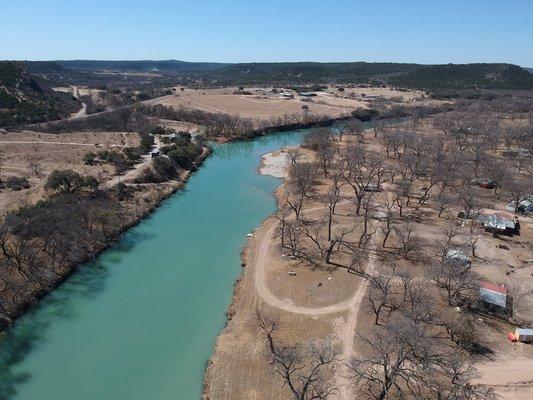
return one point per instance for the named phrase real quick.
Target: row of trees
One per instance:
(217, 124)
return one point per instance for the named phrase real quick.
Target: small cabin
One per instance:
(307, 94)
(525, 205)
(458, 256)
(485, 183)
(524, 335)
(500, 224)
(493, 297)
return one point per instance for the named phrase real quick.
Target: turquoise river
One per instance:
(140, 322)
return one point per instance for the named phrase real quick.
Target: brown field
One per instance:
(258, 107)
(35, 155)
(385, 92)
(262, 105)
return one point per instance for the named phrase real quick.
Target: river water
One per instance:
(141, 321)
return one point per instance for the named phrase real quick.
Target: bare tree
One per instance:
(469, 202)
(473, 237)
(354, 128)
(380, 295)
(408, 242)
(403, 359)
(390, 221)
(444, 201)
(302, 180)
(456, 279)
(294, 155)
(363, 172)
(517, 292)
(332, 198)
(304, 368)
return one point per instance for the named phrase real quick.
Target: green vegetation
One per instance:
(89, 158)
(25, 99)
(68, 181)
(140, 66)
(425, 77)
(465, 76)
(184, 156)
(15, 183)
(309, 72)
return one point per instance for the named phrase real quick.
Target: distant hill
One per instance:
(530, 70)
(44, 67)
(140, 66)
(433, 78)
(465, 76)
(310, 72)
(26, 99)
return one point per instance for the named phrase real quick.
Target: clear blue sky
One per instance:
(427, 31)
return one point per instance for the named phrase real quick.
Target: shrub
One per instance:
(16, 183)
(68, 181)
(184, 156)
(147, 142)
(122, 191)
(89, 158)
(165, 167)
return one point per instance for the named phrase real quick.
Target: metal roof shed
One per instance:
(492, 294)
(524, 335)
(458, 255)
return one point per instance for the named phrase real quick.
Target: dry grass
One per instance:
(239, 367)
(35, 155)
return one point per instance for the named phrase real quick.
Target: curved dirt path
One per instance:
(272, 300)
(351, 305)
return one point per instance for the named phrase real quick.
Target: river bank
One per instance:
(309, 305)
(146, 198)
(272, 164)
(157, 297)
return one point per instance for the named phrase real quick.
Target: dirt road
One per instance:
(47, 142)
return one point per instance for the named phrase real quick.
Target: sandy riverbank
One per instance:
(275, 164)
